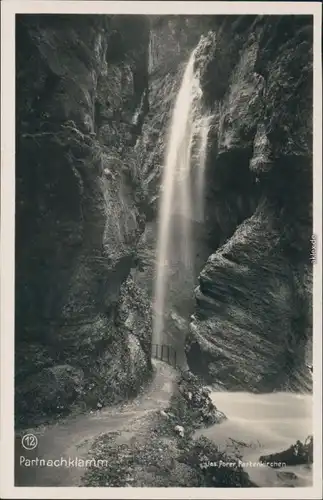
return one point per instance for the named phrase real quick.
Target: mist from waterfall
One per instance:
(182, 188)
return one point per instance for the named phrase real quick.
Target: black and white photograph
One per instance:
(164, 252)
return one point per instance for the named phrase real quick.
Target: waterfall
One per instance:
(181, 193)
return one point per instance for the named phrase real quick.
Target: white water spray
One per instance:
(187, 127)
(266, 423)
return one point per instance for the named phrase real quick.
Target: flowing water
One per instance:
(266, 423)
(180, 194)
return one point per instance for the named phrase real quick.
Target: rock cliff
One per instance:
(81, 97)
(253, 317)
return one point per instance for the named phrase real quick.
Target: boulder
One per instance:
(297, 454)
(179, 429)
(52, 389)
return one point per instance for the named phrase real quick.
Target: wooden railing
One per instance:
(165, 353)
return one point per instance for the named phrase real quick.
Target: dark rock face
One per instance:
(252, 322)
(52, 390)
(80, 82)
(298, 454)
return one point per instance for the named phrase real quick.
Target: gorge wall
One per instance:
(83, 329)
(94, 98)
(252, 326)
